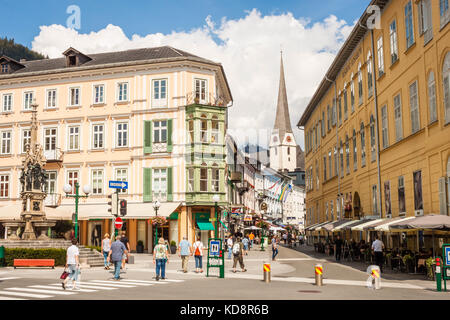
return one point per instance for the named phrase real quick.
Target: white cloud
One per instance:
(248, 48)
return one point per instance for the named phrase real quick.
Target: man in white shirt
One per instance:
(229, 245)
(377, 247)
(73, 264)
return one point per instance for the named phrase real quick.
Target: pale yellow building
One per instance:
(377, 130)
(137, 116)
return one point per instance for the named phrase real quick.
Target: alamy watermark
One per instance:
(74, 20)
(374, 20)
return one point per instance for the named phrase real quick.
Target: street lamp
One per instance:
(156, 206)
(68, 189)
(216, 198)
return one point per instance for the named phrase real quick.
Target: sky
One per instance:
(246, 36)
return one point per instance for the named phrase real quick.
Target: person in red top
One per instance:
(197, 248)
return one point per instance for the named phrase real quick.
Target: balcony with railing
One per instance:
(55, 155)
(204, 98)
(52, 200)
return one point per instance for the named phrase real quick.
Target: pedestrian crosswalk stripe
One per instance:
(41, 291)
(97, 282)
(9, 278)
(24, 294)
(125, 282)
(60, 288)
(11, 298)
(172, 280)
(145, 281)
(82, 285)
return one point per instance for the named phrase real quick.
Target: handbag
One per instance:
(64, 275)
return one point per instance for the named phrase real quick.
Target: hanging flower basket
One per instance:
(157, 221)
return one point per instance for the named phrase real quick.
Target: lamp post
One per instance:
(156, 206)
(68, 189)
(216, 199)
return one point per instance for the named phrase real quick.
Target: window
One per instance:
(324, 168)
(159, 98)
(330, 172)
(340, 110)
(51, 183)
(322, 124)
(203, 129)
(352, 94)
(414, 107)
(6, 142)
(160, 131)
(191, 130)
(51, 98)
(335, 161)
(200, 90)
(317, 175)
(26, 139)
(369, 74)
(50, 141)
(326, 211)
(360, 85)
(99, 94)
(401, 196)
(331, 210)
(432, 97)
(380, 56)
(374, 199)
(328, 118)
(341, 158)
(355, 151)
(191, 180)
(97, 181)
(72, 179)
(394, 43)
(409, 28)
(4, 186)
(444, 12)
(363, 145)
(398, 118)
(425, 20)
(74, 138)
(98, 136)
(122, 175)
(345, 105)
(418, 198)
(7, 103)
(122, 134)
(5, 68)
(333, 113)
(384, 126)
(122, 91)
(215, 179)
(372, 138)
(74, 96)
(27, 100)
(446, 82)
(215, 130)
(347, 153)
(204, 178)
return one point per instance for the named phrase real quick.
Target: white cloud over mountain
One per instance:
(248, 48)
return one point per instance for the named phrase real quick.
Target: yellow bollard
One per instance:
(319, 271)
(266, 272)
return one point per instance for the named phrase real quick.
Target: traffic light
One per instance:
(113, 203)
(123, 207)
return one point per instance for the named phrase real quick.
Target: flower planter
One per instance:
(173, 249)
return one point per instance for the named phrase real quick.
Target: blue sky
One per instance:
(165, 16)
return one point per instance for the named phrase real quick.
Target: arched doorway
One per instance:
(356, 206)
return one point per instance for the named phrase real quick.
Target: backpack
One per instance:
(197, 251)
(236, 249)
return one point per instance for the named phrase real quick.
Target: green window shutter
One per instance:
(169, 135)
(147, 137)
(147, 192)
(169, 184)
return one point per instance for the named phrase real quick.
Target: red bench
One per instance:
(34, 263)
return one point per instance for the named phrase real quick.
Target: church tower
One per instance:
(283, 149)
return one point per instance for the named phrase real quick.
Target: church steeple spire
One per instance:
(282, 120)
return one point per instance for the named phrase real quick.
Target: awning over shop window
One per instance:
(173, 216)
(361, 227)
(205, 226)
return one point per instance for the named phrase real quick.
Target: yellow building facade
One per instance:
(377, 130)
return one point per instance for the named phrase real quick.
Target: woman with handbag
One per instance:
(72, 264)
(198, 255)
(160, 257)
(106, 246)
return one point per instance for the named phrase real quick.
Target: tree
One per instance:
(17, 51)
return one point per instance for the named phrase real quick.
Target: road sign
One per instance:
(118, 223)
(118, 184)
(214, 248)
(215, 257)
(447, 255)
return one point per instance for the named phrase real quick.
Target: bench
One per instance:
(34, 263)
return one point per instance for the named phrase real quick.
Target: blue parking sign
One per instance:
(447, 255)
(214, 248)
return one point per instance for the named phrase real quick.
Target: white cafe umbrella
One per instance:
(276, 229)
(252, 228)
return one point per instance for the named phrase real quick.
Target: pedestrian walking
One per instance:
(274, 248)
(251, 237)
(377, 247)
(184, 250)
(230, 246)
(126, 243)
(338, 248)
(245, 242)
(115, 255)
(106, 246)
(160, 257)
(198, 255)
(285, 238)
(289, 238)
(238, 255)
(72, 264)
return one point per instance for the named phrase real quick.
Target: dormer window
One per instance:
(72, 61)
(75, 58)
(5, 68)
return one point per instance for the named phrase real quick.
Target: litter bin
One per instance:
(2, 256)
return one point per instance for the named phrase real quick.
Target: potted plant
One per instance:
(431, 267)
(140, 246)
(388, 259)
(408, 260)
(173, 247)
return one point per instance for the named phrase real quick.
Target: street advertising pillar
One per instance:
(438, 275)
(318, 273)
(266, 272)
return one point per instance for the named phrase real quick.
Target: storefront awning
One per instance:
(385, 226)
(205, 226)
(361, 227)
(316, 228)
(343, 225)
(308, 228)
